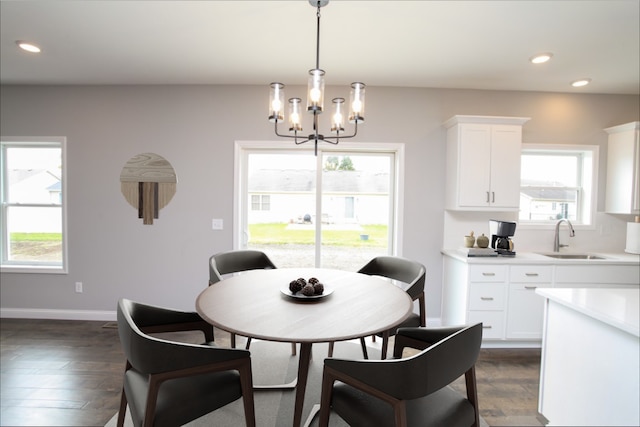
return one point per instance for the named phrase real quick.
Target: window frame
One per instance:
(587, 203)
(7, 266)
(243, 148)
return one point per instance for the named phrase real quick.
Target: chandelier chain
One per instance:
(318, 39)
(315, 103)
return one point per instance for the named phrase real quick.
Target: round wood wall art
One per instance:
(148, 182)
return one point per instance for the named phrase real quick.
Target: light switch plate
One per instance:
(217, 224)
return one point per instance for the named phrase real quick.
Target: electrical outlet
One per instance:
(217, 224)
(79, 287)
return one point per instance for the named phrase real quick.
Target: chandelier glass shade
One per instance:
(315, 103)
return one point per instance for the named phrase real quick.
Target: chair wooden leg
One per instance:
(248, 343)
(246, 383)
(363, 344)
(152, 400)
(400, 413)
(423, 310)
(325, 399)
(472, 392)
(293, 349)
(233, 340)
(330, 354)
(385, 344)
(123, 401)
(123, 409)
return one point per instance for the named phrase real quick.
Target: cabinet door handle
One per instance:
(531, 287)
(487, 197)
(487, 326)
(531, 274)
(484, 273)
(486, 298)
(493, 197)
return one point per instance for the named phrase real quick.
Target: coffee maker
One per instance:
(501, 231)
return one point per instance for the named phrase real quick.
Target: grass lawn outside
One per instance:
(48, 246)
(277, 233)
(36, 247)
(33, 237)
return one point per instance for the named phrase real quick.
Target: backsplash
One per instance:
(608, 235)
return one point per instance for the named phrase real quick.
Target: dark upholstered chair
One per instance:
(237, 261)
(408, 392)
(169, 383)
(413, 274)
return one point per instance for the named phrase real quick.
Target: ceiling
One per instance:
(433, 44)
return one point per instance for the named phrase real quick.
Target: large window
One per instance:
(558, 182)
(334, 210)
(32, 197)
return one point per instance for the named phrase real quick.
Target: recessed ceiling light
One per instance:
(541, 58)
(581, 82)
(29, 47)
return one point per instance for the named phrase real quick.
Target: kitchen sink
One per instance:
(573, 256)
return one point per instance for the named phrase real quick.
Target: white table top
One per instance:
(251, 304)
(616, 307)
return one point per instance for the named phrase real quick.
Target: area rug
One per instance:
(273, 363)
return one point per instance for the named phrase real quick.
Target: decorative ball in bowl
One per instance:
(306, 289)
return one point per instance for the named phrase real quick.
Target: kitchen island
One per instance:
(590, 367)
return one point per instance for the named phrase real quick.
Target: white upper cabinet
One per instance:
(623, 169)
(483, 163)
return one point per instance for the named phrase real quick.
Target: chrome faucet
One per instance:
(556, 238)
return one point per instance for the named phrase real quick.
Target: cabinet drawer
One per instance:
(531, 274)
(492, 323)
(529, 287)
(487, 296)
(487, 273)
(605, 274)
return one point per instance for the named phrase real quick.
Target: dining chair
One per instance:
(414, 391)
(412, 274)
(170, 383)
(237, 261)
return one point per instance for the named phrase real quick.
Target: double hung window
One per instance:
(32, 197)
(558, 182)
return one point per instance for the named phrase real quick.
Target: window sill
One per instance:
(33, 269)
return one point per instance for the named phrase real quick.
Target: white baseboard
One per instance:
(39, 313)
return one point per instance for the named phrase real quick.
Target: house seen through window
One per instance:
(557, 182)
(32, 198)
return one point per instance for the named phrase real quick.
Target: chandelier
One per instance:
(315, 103)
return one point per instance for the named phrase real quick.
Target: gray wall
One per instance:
(194, 127)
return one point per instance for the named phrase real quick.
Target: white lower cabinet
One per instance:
(503, 297)
(475, 293)
(488, 298)
(525, 309)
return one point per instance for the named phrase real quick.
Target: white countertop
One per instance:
(539, 258)
(616, 307)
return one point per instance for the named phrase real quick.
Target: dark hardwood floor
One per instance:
(68, 373)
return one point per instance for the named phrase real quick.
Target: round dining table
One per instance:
(259, 304)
